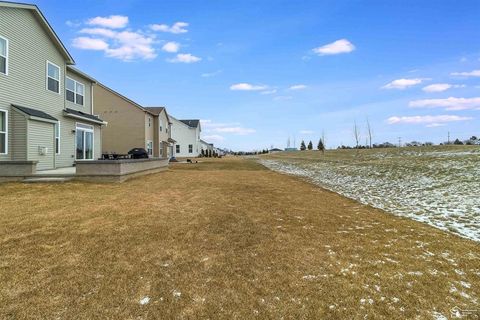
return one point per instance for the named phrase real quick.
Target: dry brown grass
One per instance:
(236, 240)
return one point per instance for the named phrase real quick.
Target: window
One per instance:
(57, 138)
(150, 147)
(177, 148)
(75, 91)
(190, 148)
(149, 122)
(3, 55)
(160, 148)
(161, 125)
(3, 132)
(53, 77)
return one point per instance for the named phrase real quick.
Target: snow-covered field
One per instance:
(440, 187)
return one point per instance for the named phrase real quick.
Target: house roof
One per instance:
(81, 73)
(157, 110)
(43, 21)
(83, 115)
(34, 112)
(191, 123)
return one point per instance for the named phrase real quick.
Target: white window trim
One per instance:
(90, 129)
(6, 57)
(190, 149)
(59, 139)
(59, 78)
(75, 82)
(6, 132)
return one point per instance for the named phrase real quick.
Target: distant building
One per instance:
(291, 149)
(273, 150)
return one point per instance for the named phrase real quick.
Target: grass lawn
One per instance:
(222, 239)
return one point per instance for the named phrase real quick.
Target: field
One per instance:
(435, 185)
(222, 239)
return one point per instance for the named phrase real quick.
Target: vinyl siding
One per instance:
(184, 135)
(126, 122)
(150, 132)
(18, 147)
(41, 134)
(29, 49)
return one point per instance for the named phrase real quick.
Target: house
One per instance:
(47, 116)
(132, 125)
(206, 147)
(186, 133)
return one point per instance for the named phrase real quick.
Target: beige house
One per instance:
(131, 125)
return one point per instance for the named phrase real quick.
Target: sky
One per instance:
(259, 72)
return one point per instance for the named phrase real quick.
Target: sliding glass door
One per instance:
(84, 142)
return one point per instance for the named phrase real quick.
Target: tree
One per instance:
(356, 134)
(310, 145)
(369, 132)
(321, 146)
(203, 153)
(458, 142)
(302, 146)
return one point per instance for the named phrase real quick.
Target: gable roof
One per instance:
(43, 21)
(34, 112)
(191, 123)
(157, 110)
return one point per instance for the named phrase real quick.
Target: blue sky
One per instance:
(258, 72)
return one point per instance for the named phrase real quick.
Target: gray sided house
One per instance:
(46, 106)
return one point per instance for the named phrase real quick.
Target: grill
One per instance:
(138, 153)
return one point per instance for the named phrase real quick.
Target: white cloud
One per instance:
(434, 125)
(99, 32)
(113, 21)
(247, 87)
(87, 43)
(171, 46)
(450, 103)
(229, 128)
(177, 27)
(307, 132)
(474, 73)
(184, 58)
(213, 138)
(403, 83)
(429, 120)
(298, 87)
(439, 87)
(125, 45)
(211, 74)
(337, 47)
(269, 91)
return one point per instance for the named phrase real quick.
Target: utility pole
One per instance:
(399, 142)
(448, 138)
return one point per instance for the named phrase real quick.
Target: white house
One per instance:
(186, 133)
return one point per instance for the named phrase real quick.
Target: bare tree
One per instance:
(356, 133)
(324, 142)
(369, 132)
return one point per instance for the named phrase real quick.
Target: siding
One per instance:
(126, 122)
(150, 132)
(29, 49)
(184, 135)
(41, 134)
(18, 147)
